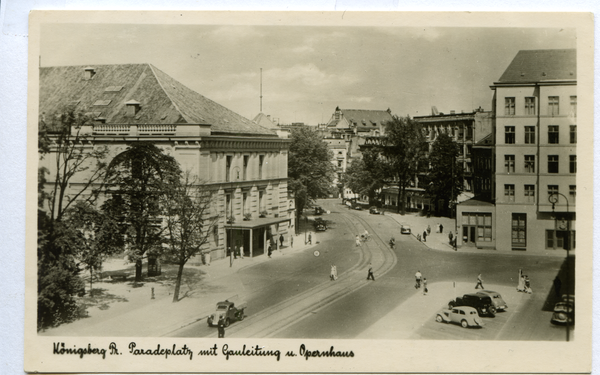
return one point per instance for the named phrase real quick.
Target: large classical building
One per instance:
(244, 163)
(532, 201)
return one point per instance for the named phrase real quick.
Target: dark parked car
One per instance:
(564, 311)
(374, 210)
(320, 225)
(227, 311)
(319, 210)
(482, 303)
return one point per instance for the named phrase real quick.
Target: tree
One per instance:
(310, 170)
(403, 148)
(94, 234)
(445, 177)
(72, 158)
(366, 175)
(137, 181)
(189, 223)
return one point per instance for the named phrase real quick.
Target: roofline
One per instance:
(565, 82)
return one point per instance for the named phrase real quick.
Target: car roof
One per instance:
(465, 308)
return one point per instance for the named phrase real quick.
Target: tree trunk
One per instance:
(138, 270)
(178, 282)
(91, 287)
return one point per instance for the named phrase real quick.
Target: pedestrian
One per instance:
(450, 237)
(335, 272)
(527, 285)
(236, 252)
(424, 285)
(370, 274)
(230, 257)
(331, 274)
(441, 228)
(521, 283)
(479, 282)
(270, 250)
(437, 228)
(424, 236)
(221, 327)
(557, 286)
(357, 240)
(292, 241)
(242, 252)
(428, 229)
(281, 240)
(418, 237)
(310, 238)
(418, 277)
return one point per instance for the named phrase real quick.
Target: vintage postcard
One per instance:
(222, 192)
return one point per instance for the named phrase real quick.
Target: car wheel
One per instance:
(492, 310)
(242, 315)
(464, 323)
(439, 319)
(227, 322)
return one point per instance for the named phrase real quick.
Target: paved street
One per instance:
(292, 297)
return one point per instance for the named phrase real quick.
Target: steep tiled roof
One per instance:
(162, 99)
(264, 121)
(541, 65)
(366, 117)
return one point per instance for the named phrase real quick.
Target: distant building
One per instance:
(535, 158)
(244, 163)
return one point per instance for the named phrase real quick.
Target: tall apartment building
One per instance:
(534, 158)
(244, 163)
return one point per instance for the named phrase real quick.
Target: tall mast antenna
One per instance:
(260, 90)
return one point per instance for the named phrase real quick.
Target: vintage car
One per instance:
(374, 210)
(320, 225)
(227, 311)
(405, 229)
(319, 210)
(464, 315)
(482, 303)
(564, 311)
(497, 300)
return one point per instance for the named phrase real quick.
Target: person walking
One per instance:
(424, 236)
(428, 229)
(236, 252)
(221, 328)
(441, 228)
(281, 240)
(450, 237)
(292, 241)
(370, 275)
(230, 257)
(357, 240)
(479, 282)
(331, 274)
(270, 250)
(424, 286)
(242, 252)
(310, 238)
(527, 285)
(418, 277)
(521, 282)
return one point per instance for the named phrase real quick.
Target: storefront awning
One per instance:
(257, 223)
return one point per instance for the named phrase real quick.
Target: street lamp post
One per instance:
(563, 225)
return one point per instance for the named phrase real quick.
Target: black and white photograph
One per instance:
(297, 191)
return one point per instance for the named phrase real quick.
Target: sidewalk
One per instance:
(440, 241)
(130, 310)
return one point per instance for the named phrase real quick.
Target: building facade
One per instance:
(535, 157)
(243, 163)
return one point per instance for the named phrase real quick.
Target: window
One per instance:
(572, 163)
(261, 202)
(509, 192)
(246, 158)
(228, 160)
(244, 203)
(553, 134)
(519, 230)
(261, 160)
(509, 134)
(509, 163)
(509, 106)
(572, 193)
(530, 105)
(552, 163)
(573, 133)
(228, 205)
(553, 106)
(552, 189)
(574, 106)
(530, 134)
(556, 239)
(530, 193)
(339, 163)
(530, 163)
(477, 226)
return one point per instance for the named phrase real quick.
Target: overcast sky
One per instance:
(308, 71)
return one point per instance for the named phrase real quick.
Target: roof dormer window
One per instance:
(133, 107)
(88, 73)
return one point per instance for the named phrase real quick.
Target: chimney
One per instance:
(88, 73)
(452, 112)
(133, 108)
